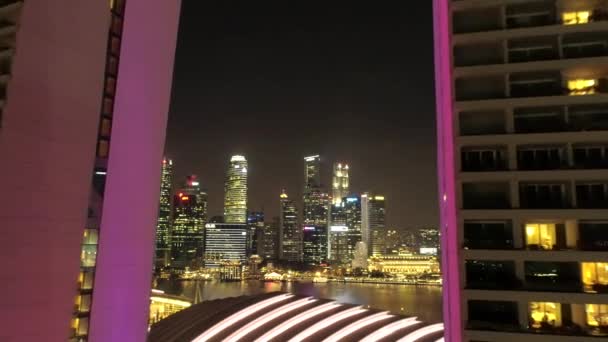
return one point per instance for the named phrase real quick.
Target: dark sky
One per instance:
(352, 83)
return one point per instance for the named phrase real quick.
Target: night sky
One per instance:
(352, 83)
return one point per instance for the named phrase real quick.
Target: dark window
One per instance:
(105, 127)
(593, 195)
(488, 235)
(539, 120)
(486, 314)
(591, 156)
(110, 86)
(483, 159)
(593, 235)
(542, 196)
(486, 195)
(552, 276)
(540, 158)
(488, 274)
(108, 104)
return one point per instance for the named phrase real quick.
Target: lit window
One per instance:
(597, 315)
(540, 236)
(545, 315)
(595, 276)
(573, 18)
(582, 86)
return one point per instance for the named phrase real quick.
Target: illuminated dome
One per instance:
(285, 317)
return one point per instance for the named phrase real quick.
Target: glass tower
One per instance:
(163, 226)
(189, 218)
(235, 191)
(290, 234)
(315, 212)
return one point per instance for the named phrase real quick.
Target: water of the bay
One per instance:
(409, 300)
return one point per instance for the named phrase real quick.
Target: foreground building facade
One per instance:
(56, 129)
(522, 110)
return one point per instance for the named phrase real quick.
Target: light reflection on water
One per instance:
(421, 301)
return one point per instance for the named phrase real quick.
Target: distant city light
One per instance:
(210, 225)
(100, 173)
(379, 198)
(309, 228)
(311, 158)
(237, 158)
(194, 183)
(184, 198)
(339, 228)
(352, 199)
(245, 170)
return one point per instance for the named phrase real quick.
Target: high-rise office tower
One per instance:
(315, 212)
(376, 211)
(163, 225)
(188, 228)
(345, 230)
(312, 171)
(428, 241)
(290, 248)
(255, 231)
(522, 139)
(235, 191)
(60, 95)
(340, 182)
(269, 242)
(225, 242)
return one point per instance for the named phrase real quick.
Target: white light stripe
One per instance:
(422, 332)
(357, 325)
(440, 340)
(220, 326)
(276, 313)
(281, 328)
(390, 329)
(327, 322)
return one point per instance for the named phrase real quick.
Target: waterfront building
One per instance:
(314, 244)
(188, 228)
(404, 264)
(64, 159)
(235, 191)
(284, 317)
(360, 256)
(315, 212)
(225, 242)
(428, 241)
(290, 235)
(522, 108)
(163, 225)
(163, 305)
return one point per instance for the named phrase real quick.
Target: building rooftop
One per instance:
(280, 316)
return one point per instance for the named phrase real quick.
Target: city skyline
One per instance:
(341, 83)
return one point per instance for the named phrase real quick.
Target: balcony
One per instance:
(590, 156)
(543, 196)
(486, 196)
(552, 276)
(541, 158)
(488, 235)
(483, 159)
(593, 236)
(592, 195)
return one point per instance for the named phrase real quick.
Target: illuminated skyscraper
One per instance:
(522, 113)
(290, 234)
(345, 230)
(255, 232)
(163, 226)
(340, 182)
(269, 242)
(315, 212)
(235, 191)
(69, 70)
(312, 171)
(376, 217)
(189, 218)
(225, 243)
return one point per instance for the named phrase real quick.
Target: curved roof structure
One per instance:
(281, 316)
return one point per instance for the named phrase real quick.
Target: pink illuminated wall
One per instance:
(47, 149)
(126, 244)
(446, 172)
